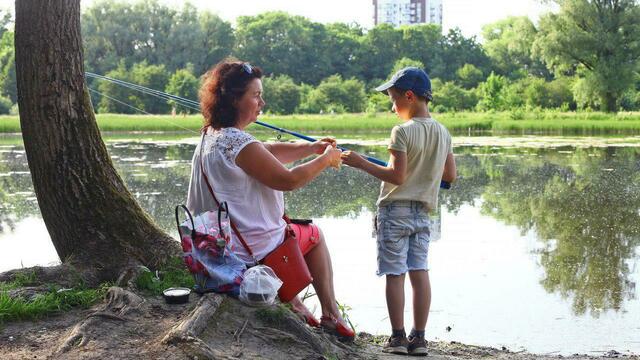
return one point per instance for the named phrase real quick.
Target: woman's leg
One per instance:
(319, 263)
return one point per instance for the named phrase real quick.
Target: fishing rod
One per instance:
(194, 105)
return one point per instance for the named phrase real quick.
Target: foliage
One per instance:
(451, 97)
(174, 274)
(8, 67)
(281, 94)
(151, 76)
(335, 95)
(508, 45)
(599, 40)
(403, 63)
(284, 44)
(184, 84)
(378, 102)
(492, 93)
(149, 31)
(469, 76)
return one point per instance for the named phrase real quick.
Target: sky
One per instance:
(468, 15)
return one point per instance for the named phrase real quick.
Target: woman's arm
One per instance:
(262, 165)
(395, 172)
(290, 152)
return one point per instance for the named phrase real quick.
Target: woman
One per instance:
(250, 176)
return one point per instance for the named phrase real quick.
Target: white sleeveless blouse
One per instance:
(255, 208)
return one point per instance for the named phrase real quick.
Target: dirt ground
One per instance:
(129, 326)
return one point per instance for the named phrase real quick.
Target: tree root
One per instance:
(196, 322)
(119, 303)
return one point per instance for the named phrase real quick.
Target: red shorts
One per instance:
(308, 236)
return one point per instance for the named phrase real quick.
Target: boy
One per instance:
(420, 156)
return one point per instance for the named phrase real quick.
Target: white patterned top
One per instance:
(255, 208)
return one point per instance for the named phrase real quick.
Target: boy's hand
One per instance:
(352, 159)
(319, 146)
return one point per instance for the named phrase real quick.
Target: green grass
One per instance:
(174, 274)
(50, 303)
(507, 122)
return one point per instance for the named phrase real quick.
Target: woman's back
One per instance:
(255, 208)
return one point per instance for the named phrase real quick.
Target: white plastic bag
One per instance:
(260, 286)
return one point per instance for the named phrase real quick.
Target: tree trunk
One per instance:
(609, 102)
(94, 221)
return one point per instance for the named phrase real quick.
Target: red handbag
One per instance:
(288, 263)
(286, 260)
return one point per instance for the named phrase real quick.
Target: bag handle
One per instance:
(193, 225)
(224, 207)
(206, 180)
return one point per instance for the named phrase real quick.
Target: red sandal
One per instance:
(310, 320)
(336, 327)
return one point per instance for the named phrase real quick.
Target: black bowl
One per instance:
(177, 295)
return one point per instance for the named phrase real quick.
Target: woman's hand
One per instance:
(333, 154)
(352, 159)
(318, 147)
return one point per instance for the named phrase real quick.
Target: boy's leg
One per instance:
(421, 298)
(395, 300)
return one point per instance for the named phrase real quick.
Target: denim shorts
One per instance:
(402, 232)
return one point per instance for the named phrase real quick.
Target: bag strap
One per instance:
(193, 226)
(206, 180)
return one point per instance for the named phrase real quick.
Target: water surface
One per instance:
(534, 248)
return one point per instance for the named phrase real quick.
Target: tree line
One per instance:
(585, 56)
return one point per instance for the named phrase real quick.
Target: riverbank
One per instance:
(539, 122)
(212, 326)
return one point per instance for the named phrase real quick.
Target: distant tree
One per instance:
(457, 50)
(152, 76)
(423, 43)
(8, 67)
(119, 99)
(116, 96)
(469, 76)
(403, 63)
(283, 44)
(380, 48)
(450, 96)
(335, 95)
(597, 38)
(281, 94)
(508, 44)
(153, 32)
(184, 84)
(343, 49)
(378, 102)
(544, 94)
(491, 93)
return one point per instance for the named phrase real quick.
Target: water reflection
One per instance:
(582, 204)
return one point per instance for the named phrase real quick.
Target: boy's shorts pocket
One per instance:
(394, 236)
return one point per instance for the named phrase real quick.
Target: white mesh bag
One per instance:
(260, 286)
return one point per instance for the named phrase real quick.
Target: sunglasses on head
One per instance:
(247, 68)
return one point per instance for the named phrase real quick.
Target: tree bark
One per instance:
(94, 221)
(609, 102)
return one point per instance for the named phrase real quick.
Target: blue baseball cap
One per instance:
(409, 78)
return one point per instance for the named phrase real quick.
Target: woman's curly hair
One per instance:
(222, 85)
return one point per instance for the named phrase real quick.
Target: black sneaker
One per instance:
(417, 346)
(396, 345)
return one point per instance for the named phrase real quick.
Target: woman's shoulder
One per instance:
(229, 141)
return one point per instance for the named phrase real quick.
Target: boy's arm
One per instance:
(395, 172)
(449, 175)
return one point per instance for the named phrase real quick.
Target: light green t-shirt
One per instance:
(427, 144)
